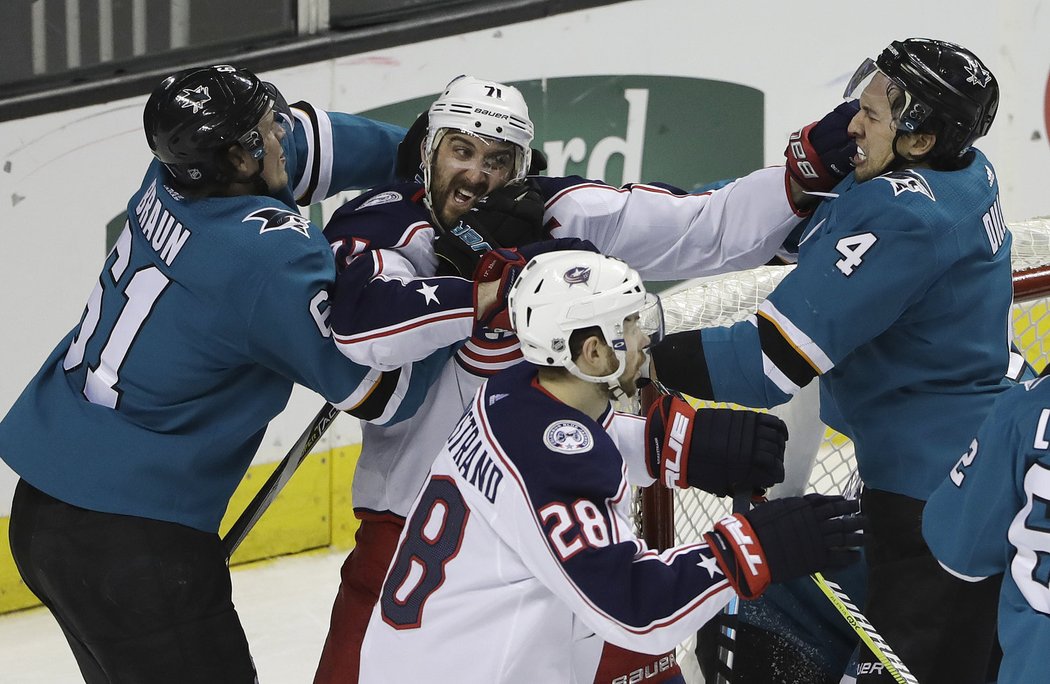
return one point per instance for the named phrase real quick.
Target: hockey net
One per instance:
(820, 460)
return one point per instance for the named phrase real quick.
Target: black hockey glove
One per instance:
(716, 450)
(786, 538)
(510, 216)
(819, 155)
(409, 150)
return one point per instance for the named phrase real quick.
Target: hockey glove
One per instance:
(819, 155)
(409, 158)
(716, 450)
(500, 266)
(786, 538)
(510, 216)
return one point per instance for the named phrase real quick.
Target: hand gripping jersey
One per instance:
(390, 309)
(205, 313)
(992, 515)
(900, 302)
(520, 545)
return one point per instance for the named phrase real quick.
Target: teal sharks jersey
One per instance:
(991, 515)
(900, 304)
(205, 313)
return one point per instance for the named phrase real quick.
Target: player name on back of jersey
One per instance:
(161, 230)
(472, 458)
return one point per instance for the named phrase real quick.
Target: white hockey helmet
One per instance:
(560, 292)
(480, 107)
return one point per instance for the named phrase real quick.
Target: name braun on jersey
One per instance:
(166, 235)
(473, 459)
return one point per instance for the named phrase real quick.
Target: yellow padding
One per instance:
(313, 510)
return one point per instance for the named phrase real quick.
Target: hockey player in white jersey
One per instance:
(520, 544)
(400, 250)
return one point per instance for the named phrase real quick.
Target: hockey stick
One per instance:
(727, 643)
(860, 624)
(279, 478)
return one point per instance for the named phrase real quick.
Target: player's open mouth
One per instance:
(860, 157)
(463, 197)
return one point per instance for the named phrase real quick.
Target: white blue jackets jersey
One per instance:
(992, 515)
(520, 545)
(205, 313)
(390, 308)
(900, 303)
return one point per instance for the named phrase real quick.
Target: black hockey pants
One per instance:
(138, 600)
(941, 627)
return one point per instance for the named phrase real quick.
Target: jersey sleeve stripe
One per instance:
(785, 357)
(317, 178)
(786, 362)
(805, 347)
(373, 396)
(410, 233)
(506, 352)
(401, 328)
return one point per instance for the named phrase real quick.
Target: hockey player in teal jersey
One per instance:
(991, 515)
(131, 438)
(899, 304)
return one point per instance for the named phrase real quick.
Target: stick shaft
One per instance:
(279, 478)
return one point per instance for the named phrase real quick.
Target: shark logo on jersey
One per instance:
(568, 437)
(577, 276)
(382, 198)
(195, 98)
(279, 219)
(908, 181)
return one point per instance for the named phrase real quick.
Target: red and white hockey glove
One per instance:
(819, 155)
(786, 538)
(500, 266)
(716, 450)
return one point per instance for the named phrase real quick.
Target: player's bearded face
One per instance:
(874, 128)
(465, 169)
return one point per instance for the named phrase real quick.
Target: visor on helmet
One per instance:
(498, 158)
(651, 318)
(909, 117)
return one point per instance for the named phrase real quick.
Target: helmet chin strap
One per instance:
(428, 177)
(612, 380)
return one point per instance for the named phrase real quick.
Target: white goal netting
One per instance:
(820, 459)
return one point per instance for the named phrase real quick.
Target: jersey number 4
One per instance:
(852, 249)
(434, 536)
(139, 298)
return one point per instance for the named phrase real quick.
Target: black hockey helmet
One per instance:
(947, 91)
(194, 116)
